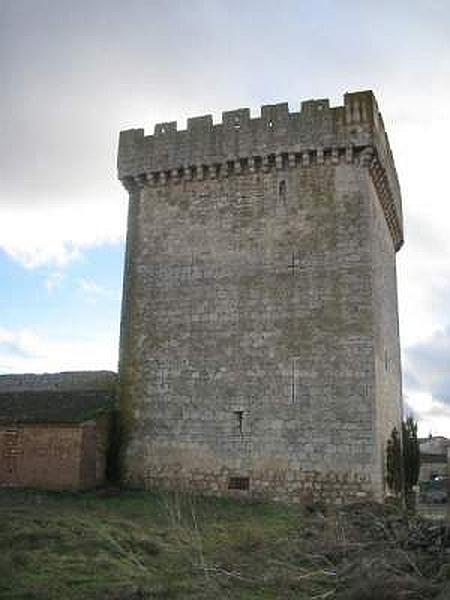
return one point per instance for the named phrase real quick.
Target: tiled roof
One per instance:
(432, 458)
(40, 406)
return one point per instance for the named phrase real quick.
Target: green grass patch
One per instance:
(144, 545)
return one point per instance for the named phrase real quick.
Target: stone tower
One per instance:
(259, 341)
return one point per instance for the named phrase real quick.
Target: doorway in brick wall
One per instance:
(11, 450)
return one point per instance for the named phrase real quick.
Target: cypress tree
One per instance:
(394, 464)
(403, 460)
(411, 454)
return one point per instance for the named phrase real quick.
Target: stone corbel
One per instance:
(366, 156)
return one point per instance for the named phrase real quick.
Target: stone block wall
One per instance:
(259, 295)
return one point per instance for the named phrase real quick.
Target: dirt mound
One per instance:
(383, 553)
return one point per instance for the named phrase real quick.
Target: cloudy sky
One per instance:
(74, 73)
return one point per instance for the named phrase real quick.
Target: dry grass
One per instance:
(140, 546)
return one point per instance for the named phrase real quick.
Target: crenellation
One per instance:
(316, 131)
(274, 116)
(312, 107)
(238, 135)
(199, 125)
(236, 120)
(165, 129)
(361, 107)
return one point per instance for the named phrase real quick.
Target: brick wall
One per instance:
(54, 456)
(43, 456)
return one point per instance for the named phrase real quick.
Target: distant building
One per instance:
(54, 429)
(433, 457)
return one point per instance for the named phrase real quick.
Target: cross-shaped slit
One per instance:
(293, 264)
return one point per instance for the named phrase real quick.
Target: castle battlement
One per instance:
(277, 139)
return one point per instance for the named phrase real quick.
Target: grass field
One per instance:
(141, 545)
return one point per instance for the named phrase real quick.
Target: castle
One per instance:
(259, 339)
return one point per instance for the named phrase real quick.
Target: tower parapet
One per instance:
(277, 139)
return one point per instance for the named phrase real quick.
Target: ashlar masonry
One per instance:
(259, 340)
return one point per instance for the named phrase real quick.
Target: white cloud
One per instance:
(89, 286)
(432, 415)
(418, 133)
(93, 290)
(21, 344)
(427, 382)
(37, 235)
(24, 351)
(54, 281)
(419, 401)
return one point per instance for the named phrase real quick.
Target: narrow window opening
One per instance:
(282, 190)
(240, 420)
(270, 124)
(293, 264)
(237, 124)
(386, 361)
(293, 381)
(239, 483)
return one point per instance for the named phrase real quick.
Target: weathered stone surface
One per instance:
(259, 328)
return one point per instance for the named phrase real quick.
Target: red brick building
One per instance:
(54, 429)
